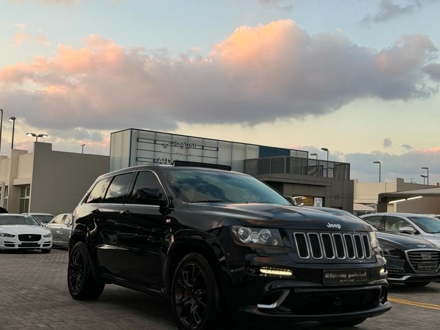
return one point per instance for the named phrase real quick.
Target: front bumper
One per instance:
(13, 243)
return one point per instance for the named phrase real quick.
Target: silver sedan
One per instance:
(61, 227)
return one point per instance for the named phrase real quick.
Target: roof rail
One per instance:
(184, 163)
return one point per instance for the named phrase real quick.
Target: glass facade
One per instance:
(136, 147)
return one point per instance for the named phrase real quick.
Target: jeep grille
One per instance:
(333, 246)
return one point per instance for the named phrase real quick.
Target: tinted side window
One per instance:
(373, 220)
(118, 189)
(98, 191)
(394, 223)
(58, 219)
(147, 189)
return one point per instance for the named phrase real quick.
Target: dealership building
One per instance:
(51, 181)
(291, 172)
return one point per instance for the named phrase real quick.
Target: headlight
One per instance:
(263, 236)
(373, 240)
(6, 235)
(391, 252)
(47, 235)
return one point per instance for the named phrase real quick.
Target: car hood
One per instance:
(278, 216)
(403, 241)
(24, 229)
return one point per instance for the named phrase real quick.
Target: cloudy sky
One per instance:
(358, 77)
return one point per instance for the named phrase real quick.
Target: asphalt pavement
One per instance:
(34, 295)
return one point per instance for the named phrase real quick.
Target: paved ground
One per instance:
(33, 295)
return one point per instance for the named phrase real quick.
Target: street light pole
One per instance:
(314, 154)
(13, 130)
(1, 128)
(427, 174)
(326, 150)
(37, 136)
(82, 148)
(380, 168)
(423, 176)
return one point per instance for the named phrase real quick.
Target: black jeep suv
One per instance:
(222, 245)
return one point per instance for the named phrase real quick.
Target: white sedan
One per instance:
(18, 231)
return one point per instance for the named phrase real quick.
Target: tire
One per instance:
(417, 284)
(348, 323)
(80, 280)
(45, 250)
(195, 296)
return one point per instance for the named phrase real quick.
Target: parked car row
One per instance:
(34, 231)
(412, 259)
(20, 231)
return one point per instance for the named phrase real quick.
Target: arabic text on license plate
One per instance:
(345, 276)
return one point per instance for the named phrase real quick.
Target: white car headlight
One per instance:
(6, 235)
(47, 235)
(263, 236)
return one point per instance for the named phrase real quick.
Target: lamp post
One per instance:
(326, 150)
(423, 176)
(1, 128)
(314, 154)
(380, 167)
(13, 130)
(427, 174)
(82, 148)
(37, 136)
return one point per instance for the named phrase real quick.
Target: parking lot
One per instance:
(34, 295)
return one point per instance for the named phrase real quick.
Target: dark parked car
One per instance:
(419, 225)
(411, 260)
(218, 243)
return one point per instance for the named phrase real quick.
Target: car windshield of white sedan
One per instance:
(427, 224)
(7, 220)
(222, 187)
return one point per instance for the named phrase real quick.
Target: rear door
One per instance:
(143, 230)
(110, 254)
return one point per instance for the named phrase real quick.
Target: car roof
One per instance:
(401, 214)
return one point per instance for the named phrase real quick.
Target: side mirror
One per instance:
(407, 230)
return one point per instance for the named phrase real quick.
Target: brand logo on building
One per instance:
(334, 225)
(179, 145)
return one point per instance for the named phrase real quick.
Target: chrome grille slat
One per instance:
(422, 257)
(330, 245)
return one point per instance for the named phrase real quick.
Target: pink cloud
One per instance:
(258, 74)
(18, 38)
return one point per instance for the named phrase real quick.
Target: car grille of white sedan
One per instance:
(29, 237)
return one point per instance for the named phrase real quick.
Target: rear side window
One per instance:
(118, 189)
(147, 189)
(58, 219)
(98, 191)
(373, 220)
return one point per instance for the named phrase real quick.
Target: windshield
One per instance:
(17, 220)
(198, 186)
(43, 218)
(427, 224)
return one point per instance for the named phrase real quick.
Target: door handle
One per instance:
(125, 212)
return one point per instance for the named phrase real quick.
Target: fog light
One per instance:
(383, 272)
(276, 271)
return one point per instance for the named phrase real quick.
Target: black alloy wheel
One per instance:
(195, 295)
(80, 280)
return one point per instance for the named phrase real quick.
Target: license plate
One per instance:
(29, 245)
(427, 267)
(345, 276)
